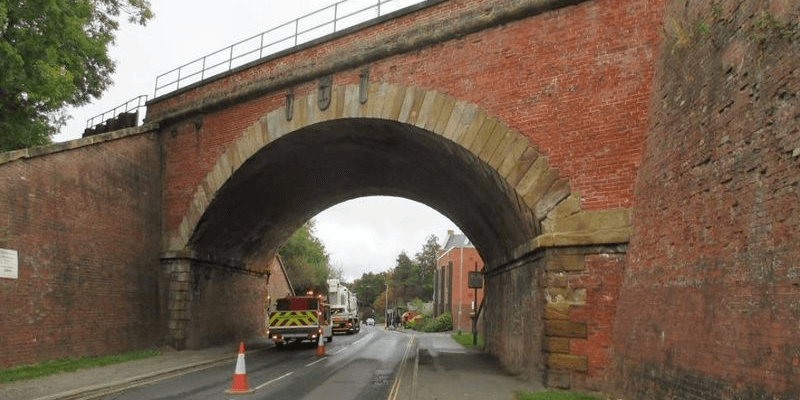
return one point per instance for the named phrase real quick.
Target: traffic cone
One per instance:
(321, 345)
(239, 384)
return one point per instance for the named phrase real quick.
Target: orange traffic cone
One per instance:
(239, 384)
(321, 345)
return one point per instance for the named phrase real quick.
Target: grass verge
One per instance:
(465, 339)
(71, 364)
(554, 396)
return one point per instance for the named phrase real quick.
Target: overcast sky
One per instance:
(362, 235)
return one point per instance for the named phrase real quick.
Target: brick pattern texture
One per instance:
(575, 81)
(86, 224)
(710, 299)
(567, 79)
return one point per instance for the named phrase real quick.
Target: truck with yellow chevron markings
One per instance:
(298, 318)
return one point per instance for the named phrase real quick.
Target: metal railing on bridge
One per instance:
(125, 115)
(326, 21)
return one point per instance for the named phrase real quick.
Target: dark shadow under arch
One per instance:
(306, 171)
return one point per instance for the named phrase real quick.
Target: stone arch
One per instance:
(540, 196)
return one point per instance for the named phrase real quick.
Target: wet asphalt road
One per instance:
(361, 366)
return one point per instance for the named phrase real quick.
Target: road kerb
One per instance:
(96, 391)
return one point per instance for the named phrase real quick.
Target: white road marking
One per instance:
(323, 358)
(274, 380)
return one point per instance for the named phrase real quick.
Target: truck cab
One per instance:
(298, 318)
(344, 308)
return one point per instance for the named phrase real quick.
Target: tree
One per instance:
(426, 261)
(405, 279)
(54, 54)
(368, 287)
(305, 258)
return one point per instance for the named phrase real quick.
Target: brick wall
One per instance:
(86, 224)
(227, 305)
(278, 283)
(576, 80)
(568, 79)
(709, 304)
(514, 318)
(462, 296)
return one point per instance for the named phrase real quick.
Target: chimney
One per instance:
(449, 233)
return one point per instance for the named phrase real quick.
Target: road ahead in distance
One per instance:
(361, 366)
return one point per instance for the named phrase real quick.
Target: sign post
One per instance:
(475, 281)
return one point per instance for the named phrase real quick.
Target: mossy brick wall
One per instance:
(86, 223)
(710, 300)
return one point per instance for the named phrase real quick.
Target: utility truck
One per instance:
(344, 308)
(298, 318)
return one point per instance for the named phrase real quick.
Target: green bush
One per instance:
(442, 323)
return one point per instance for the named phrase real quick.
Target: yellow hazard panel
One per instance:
(293, 318)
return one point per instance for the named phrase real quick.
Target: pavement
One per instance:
(438, 369)
(443, 370)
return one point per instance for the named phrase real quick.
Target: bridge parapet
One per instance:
(285, 38)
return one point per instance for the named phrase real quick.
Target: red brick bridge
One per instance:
(543, 129)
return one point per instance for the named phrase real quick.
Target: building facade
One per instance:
(451, 293)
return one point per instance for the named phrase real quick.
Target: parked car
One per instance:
(370, 321)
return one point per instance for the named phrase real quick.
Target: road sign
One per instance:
(8, 264)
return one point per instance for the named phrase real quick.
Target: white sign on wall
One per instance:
(8, 264)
